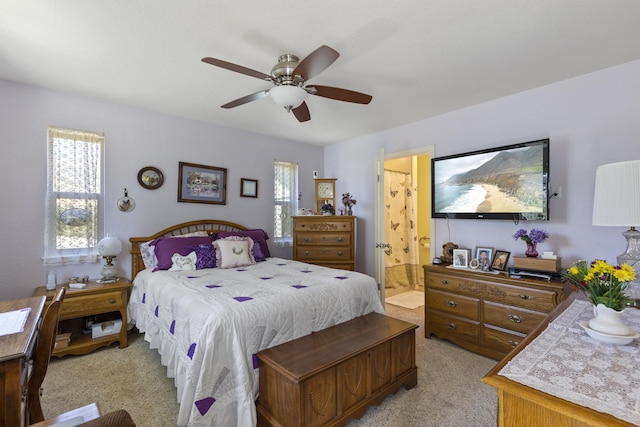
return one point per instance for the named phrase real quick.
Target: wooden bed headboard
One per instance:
(209, 225)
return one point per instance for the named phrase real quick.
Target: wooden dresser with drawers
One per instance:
(486, 313)
(325, 240)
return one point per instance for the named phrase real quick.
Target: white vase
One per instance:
(608, 321)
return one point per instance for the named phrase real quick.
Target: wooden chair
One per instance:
(41, 355)
(118, 418)
(92, 418)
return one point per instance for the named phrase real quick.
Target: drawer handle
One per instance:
(340, 239)
(452, 303)
(112, 301)
(306, 253)
(516, 319)
(451, 326)
(513, 343)
(340, 253)
(306, 239)
(444, 281)
(525, 296)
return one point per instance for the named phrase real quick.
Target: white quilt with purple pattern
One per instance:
(209, 324)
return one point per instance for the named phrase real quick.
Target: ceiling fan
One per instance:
(290, 76)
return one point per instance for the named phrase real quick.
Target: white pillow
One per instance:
(183, 263)
(234, 251)
(148, 252)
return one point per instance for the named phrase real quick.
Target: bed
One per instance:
(208, 324)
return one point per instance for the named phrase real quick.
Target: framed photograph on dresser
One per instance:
(484, 255)
(461, 258)
(500, 260)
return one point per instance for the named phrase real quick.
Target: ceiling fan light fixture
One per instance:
(287, 96)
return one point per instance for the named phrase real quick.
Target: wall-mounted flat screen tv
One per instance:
(509, 182)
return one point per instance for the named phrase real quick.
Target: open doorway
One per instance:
(406, 218)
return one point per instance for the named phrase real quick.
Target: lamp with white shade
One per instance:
(108, 248)
(616, 202)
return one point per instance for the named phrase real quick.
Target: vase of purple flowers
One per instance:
(532, 239)
(531, 251)
(349, 202)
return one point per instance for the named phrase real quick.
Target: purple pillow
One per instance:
(206, 255)
(257, 252)
(165, 247)
(258, 235)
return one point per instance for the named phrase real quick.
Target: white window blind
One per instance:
(74, 198)
(285, 185)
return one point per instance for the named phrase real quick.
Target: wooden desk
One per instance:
(15, 351)
(522, 406)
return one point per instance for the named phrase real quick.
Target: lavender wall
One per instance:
(134, 138)
(591, 120)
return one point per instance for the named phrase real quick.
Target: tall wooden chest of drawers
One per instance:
(325, 240)
(486, 313)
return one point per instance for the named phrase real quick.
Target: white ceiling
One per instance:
(417, 58)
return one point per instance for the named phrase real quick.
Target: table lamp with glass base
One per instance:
(109, 271)
(109, 247)
(616, 203)
(631, 256)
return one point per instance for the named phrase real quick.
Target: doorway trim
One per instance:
(419, 151)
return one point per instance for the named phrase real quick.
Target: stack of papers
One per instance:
(12, 322)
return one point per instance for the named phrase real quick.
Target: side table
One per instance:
(96, 298)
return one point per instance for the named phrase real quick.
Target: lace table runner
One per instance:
(565, 362)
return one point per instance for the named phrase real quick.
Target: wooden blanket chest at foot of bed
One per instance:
(333, 375)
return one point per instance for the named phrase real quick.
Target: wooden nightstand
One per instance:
(95, 299)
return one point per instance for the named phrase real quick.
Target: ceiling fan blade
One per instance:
(246, 99)
(316, 62)
(302, 112)
(237, 68)
(340, 94)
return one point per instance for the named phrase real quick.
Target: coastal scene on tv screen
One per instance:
(507, 181)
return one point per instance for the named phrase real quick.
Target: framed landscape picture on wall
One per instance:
(202, 184)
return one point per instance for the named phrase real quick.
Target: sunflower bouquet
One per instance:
(602, 282)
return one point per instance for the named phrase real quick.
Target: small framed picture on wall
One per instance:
(248, 187)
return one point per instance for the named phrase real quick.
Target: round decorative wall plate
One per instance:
(126, 204)
(150, 177)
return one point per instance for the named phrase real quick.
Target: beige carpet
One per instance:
(449, 391)
(409, 299)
